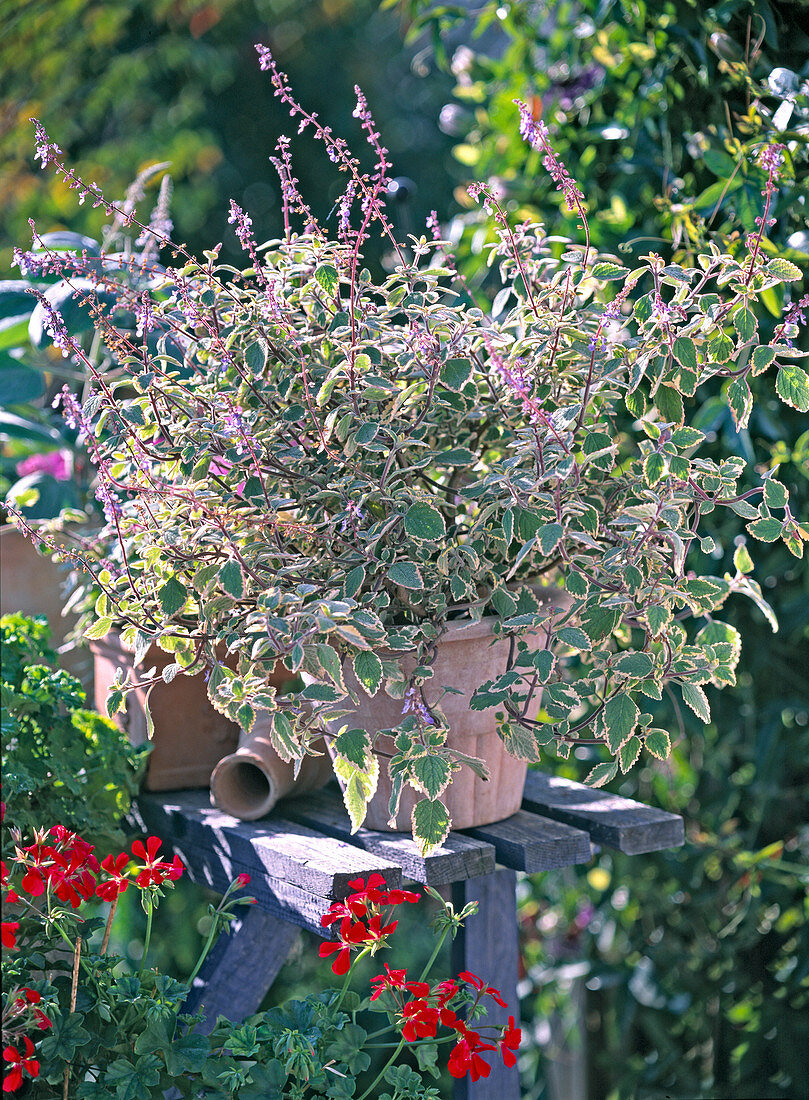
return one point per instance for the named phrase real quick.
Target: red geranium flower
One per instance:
(31, 997)
(342, 963)
(10, 933)
(33, 881)
(11, 896)
(398, 897)
(510, 1042)
(71, 843)
(481, 987)
(19, 1062)
(117, 882)
(154, 872)
(465, 1057)
(418, 989)
(446, 990)
(72, 880)
(421, 1020)
(450, 1019)
(391, 979)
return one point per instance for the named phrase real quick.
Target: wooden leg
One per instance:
(241, 967)
(488, 946)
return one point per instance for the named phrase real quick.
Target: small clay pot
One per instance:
(249, 782)
(30, 583)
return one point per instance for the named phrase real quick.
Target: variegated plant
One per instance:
(309, 462)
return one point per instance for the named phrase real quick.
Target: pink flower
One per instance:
(59, 464)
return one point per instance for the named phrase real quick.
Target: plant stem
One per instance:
(74, 989)
(434, 956)
(347, 978)
(371, 1090)
(149, 917)
(204, 953)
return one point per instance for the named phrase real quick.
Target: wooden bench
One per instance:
(302, 856)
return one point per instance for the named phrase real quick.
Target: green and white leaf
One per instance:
(620, 719)
(431, 824)
(695, 698)
(368, 670)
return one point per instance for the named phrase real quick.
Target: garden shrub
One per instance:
(61, 761)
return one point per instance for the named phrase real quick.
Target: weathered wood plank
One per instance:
(282, 849)
(230, 982)
(488, 946)
(460, 857)
(217, 870)
(528, 842)
(618, 822)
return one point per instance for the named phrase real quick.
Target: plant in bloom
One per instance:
(363, 462)
(64, 1034)
(417, 1008)
(18, 1065)
(62, 1031)
(360, 919)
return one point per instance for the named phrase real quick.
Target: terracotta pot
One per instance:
(190, 736)
(466, 656)
(249, 782)
(31, 584)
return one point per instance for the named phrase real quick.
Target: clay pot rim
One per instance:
(551, 598)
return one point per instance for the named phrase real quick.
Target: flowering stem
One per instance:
(347, 978)
(434, 956)
(371, 1090)
(204, 953)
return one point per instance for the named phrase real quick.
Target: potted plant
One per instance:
(43, 472)
(354, 474)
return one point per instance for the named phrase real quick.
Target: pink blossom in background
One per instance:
(59, 464)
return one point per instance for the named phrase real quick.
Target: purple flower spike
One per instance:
(243, 223)
(47, 150)
(532, 130)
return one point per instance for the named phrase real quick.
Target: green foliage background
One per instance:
(62, 762)
(694, 963)
(123, 85)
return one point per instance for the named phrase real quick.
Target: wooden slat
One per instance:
(460, 857)
(609, 819)
(528, 842)
(281, 849)
(276, 897)
(230, 983)
(487, 945)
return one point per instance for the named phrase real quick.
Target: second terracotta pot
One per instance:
(190, 736)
